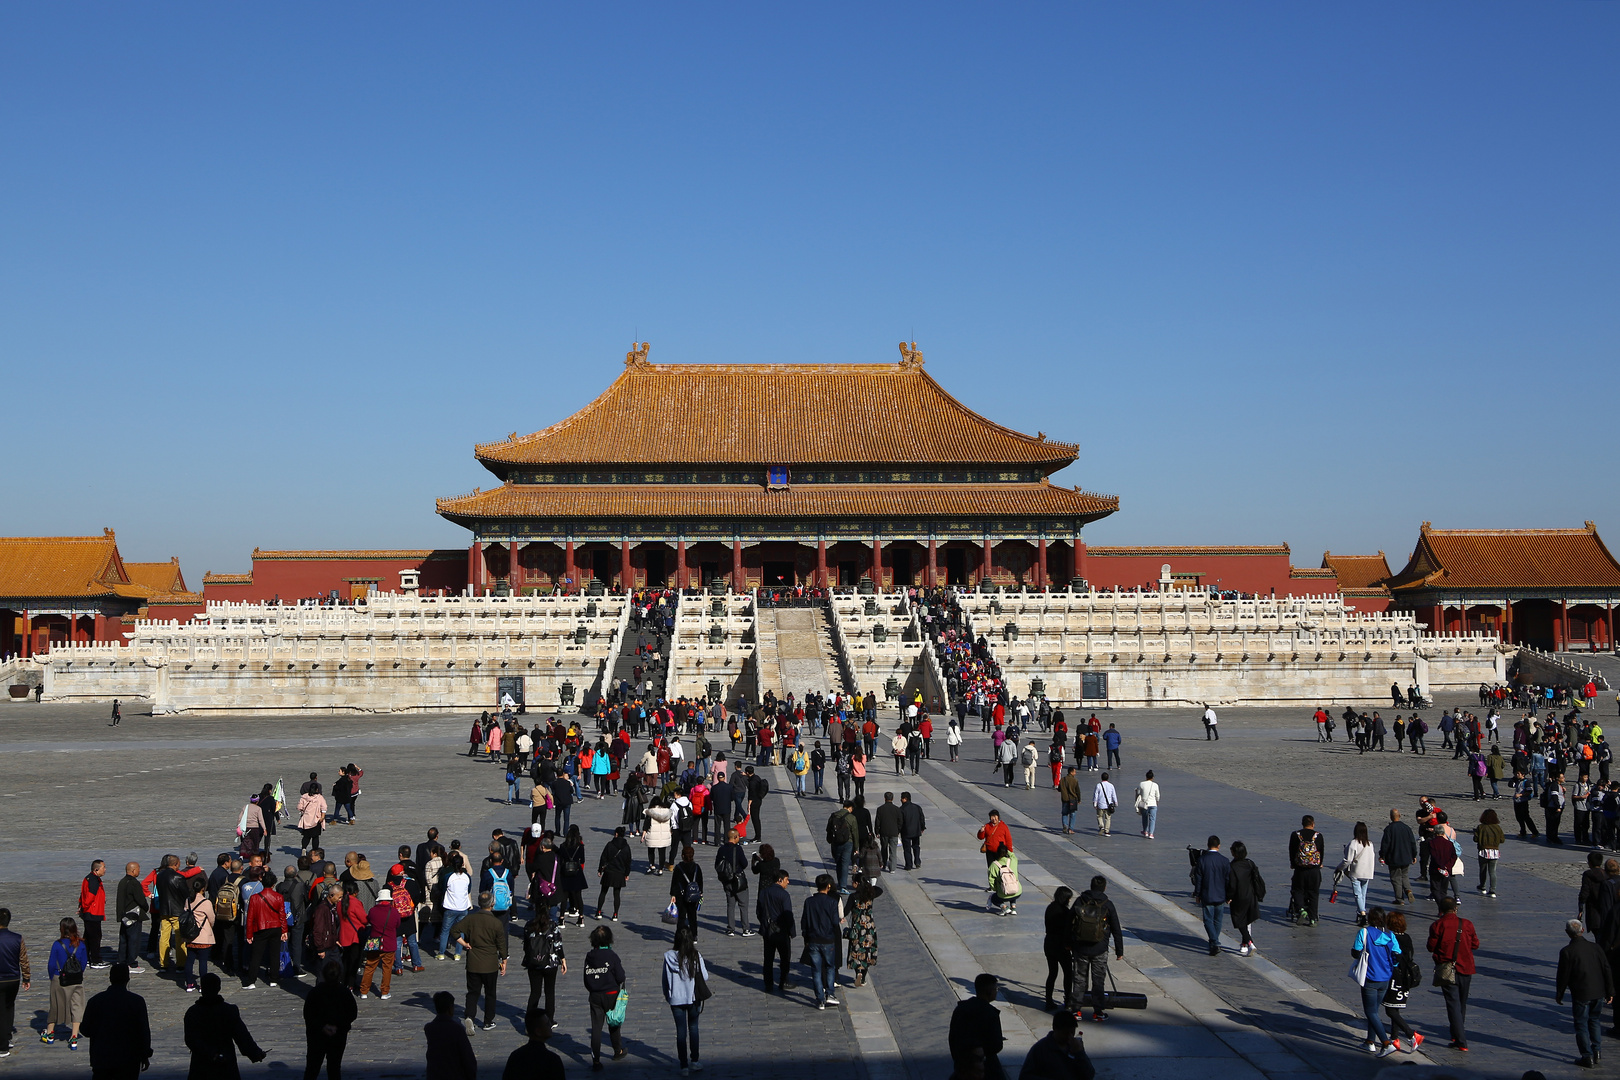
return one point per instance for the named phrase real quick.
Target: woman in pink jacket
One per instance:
(202, 911)
(311, 817)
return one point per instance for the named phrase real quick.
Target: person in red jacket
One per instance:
(266, 927)
(382, 923)
(994, 834)
(925, 728)
(92, 910)
(351, 934)
(1453, 939)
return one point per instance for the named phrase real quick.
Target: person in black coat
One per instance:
(613, 868)
(1059, 1055)
(329, 1013)
(1245, 890)
(976, 1025)
(1584, 972)
(116, 1024)
(1059, 947)
(686, 889)
(214, 1033)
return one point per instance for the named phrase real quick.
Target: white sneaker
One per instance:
(1243, 951)
(384, 997)
(831, 1000)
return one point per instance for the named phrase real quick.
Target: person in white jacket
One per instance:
(1359, 865)
(657, 837)
(1147, 804)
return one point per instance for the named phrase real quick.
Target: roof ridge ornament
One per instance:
(911, 358)
(637, 356)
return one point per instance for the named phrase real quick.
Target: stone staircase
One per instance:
(1605, 664)
(796, 653)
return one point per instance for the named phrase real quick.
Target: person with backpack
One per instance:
(496, 879)
(1376, 952)
(1407, 977)
(1027, 758)
(65, 966)
(571, 856)
(197, 931)
(1005, 888)
(543, 959)
(731, 868)
(1305, 850)
(613, 871)
(686, 889)
(799, 766)
(1093, 923)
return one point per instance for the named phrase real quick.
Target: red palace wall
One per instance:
(294, 576)
(1261, 571)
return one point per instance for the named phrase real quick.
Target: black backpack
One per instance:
(838, 831)
(71, 974)
(1088, 920)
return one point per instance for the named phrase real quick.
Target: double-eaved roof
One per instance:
(775, 414)
(813, 420)
(1520, 559)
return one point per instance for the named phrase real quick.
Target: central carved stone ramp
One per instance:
(795, 654)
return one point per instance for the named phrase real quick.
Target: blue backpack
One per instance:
(501, 889)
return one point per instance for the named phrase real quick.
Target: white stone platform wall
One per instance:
(1191, 647)
(392, 653)
(694, 660)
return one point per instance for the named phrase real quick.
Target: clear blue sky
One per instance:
(1302, 273)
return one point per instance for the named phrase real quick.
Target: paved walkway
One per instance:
(72, 788)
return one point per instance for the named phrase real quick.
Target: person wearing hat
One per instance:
(382, 943)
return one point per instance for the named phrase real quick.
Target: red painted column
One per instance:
(28, 635)
(626, 574)
(1040, 563)
(984, 571)
(738, 584)
(1608, 621)
(1079, 570)
(472, 566)
(1507, 619)
(1561, 631)
(514, 567)
(877, 562)
(100, 627)
(933, 562)
(680, 564)
(568, 561)
(821, 564)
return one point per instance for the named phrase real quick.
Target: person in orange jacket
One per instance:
(92, 910)
(994, 833)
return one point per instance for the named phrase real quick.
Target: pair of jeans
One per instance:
(8, 1010)
(601, 1004)
(265, 941)
(817, 775)
(129, 945)
(686, 1031)
(1091, 975)
(823, 972)
(447, 930)
(512, 795)
(1359, 887)
(1372, 999)
(1150, 818)
(737, 911)
(1456, 995)
(199, 957)
(1487, 874)
(407, 951)
(565, 814)
(1400, 882)
(1588, 1026)
(328, 1048)
(480, 983)
(543, 981)
(337, 814)
(1212, 923)
(1070, 812)
(1113, 759)
(776, 947)
(1059, 959)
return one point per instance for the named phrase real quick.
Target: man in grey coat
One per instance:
(1583, 971)
(1398, 850)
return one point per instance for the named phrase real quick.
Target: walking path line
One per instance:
(880, 1052)
(1184, 984)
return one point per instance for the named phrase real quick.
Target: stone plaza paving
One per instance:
(73, 789)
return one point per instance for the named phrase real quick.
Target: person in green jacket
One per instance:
(1005, 888)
